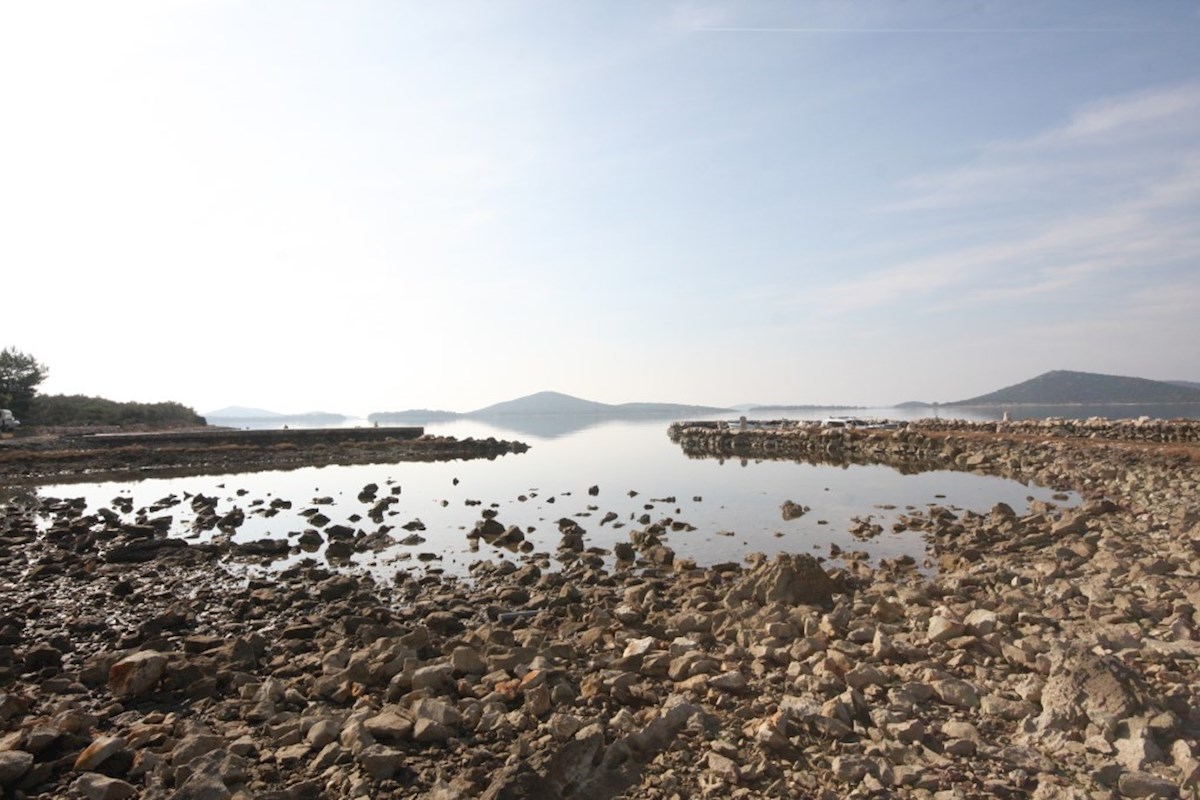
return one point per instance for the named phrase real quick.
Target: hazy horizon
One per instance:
(375, 206)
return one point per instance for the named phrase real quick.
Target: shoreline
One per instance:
(1054, 654)
(28, 461)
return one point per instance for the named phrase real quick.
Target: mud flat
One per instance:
(1053, 654)
(32, 460)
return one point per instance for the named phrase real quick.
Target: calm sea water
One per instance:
(733, 505)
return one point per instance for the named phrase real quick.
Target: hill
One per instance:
(1062, 387)
(558, 403)
(1185, 384)
(542, 403)
(548, 404)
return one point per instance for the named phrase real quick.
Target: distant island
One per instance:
(549, 404)
(551, 413)
(803, 408)
(1067, 388)
(243, 414)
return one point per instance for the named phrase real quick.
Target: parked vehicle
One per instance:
(7, 421)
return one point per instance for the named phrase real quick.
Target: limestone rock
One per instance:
(1145, 784)
(136, 674)
(790, 579)
(942, 629)
(391, 724)
(94, 786)
(380, 762)
(1084, 687)
(955, 692)
(14, 764)
(96, 753)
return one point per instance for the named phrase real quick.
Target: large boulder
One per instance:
(791, 579)
(1084, 687)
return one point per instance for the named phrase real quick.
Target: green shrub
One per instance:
(76, 409)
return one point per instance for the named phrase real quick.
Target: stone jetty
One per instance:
(29, 460)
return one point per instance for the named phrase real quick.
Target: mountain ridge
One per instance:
(1067, 387)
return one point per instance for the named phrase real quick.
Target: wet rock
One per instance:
(793, 511)
(143, 550)
(624, 551)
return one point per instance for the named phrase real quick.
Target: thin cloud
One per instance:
(1076, 150)
(1129, 112)
(1126, 208)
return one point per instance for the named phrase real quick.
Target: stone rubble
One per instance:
(1053, 654)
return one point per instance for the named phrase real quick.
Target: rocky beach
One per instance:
(1045, 654)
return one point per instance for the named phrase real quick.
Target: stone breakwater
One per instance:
(1040, 452)
(1054, 654)
(1157, 431)
(1142, 429)
(28, 461)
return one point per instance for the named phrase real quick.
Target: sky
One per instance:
(378, 205)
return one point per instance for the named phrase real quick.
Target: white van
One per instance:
(7, 421)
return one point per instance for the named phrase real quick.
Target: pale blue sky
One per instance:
(363, 206)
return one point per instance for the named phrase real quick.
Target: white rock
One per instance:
(980, 622)
(942, 629)
(639, 647)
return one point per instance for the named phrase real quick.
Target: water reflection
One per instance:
(725, 510)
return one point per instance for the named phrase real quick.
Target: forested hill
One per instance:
(1063, 387)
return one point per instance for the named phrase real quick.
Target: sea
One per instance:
(585, 469)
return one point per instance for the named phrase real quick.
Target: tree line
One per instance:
(21, 374)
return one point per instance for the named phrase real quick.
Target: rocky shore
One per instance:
(1053, 654)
